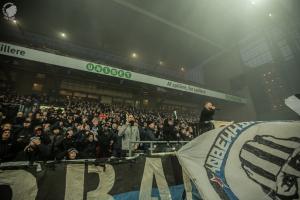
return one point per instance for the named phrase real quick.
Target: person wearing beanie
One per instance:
(72, 154)
(36, 150)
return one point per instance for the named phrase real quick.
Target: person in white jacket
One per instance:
(129, 132)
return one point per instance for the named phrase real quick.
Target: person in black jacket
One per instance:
(7, 146)
(169, 132)
(117, 141)
(23, 135)
(18, 121)
(150, 133)
(69, 141)
(56, 138)
(106, 142)
(89, 146)
(206, 117)
(36, 150)
(44, 137)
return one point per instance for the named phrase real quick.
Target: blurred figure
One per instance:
(19, 119)
(7, 146)
(56, 138)
(39, 132)
(23, 135)
(206, 117)
(116, 141)
(187, 134)
(6, 126)
(169, 130)
(106, 142)
(89, 146)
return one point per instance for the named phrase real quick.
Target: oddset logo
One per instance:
(108, 70)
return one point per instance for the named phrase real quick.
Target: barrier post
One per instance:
(151, 148)
(130, 150)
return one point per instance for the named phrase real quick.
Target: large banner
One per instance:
(64, 61)
(247, 161)
(142, 178)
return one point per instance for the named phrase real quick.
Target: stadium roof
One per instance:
(176, 32)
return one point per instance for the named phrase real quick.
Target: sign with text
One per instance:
(144, 178)
(50, 58)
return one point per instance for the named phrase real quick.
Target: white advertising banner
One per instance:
(50, 58)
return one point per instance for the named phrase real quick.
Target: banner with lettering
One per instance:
(83, 65)
(249, 160)
(141, 178)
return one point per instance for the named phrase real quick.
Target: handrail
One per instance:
(152, 143)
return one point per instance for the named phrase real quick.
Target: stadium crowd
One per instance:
(43, 128)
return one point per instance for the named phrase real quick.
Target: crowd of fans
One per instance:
(72, 128)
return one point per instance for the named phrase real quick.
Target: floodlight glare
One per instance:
(134, 55)
(63, 35)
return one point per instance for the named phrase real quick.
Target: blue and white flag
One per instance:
(249, 160)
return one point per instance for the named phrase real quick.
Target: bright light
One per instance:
(14, 21)
(134, 55)
(161, 62)
(63, 35)
(270, 14)
(182, 69)
(253, 2)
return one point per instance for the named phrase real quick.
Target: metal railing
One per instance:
(151, 148)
